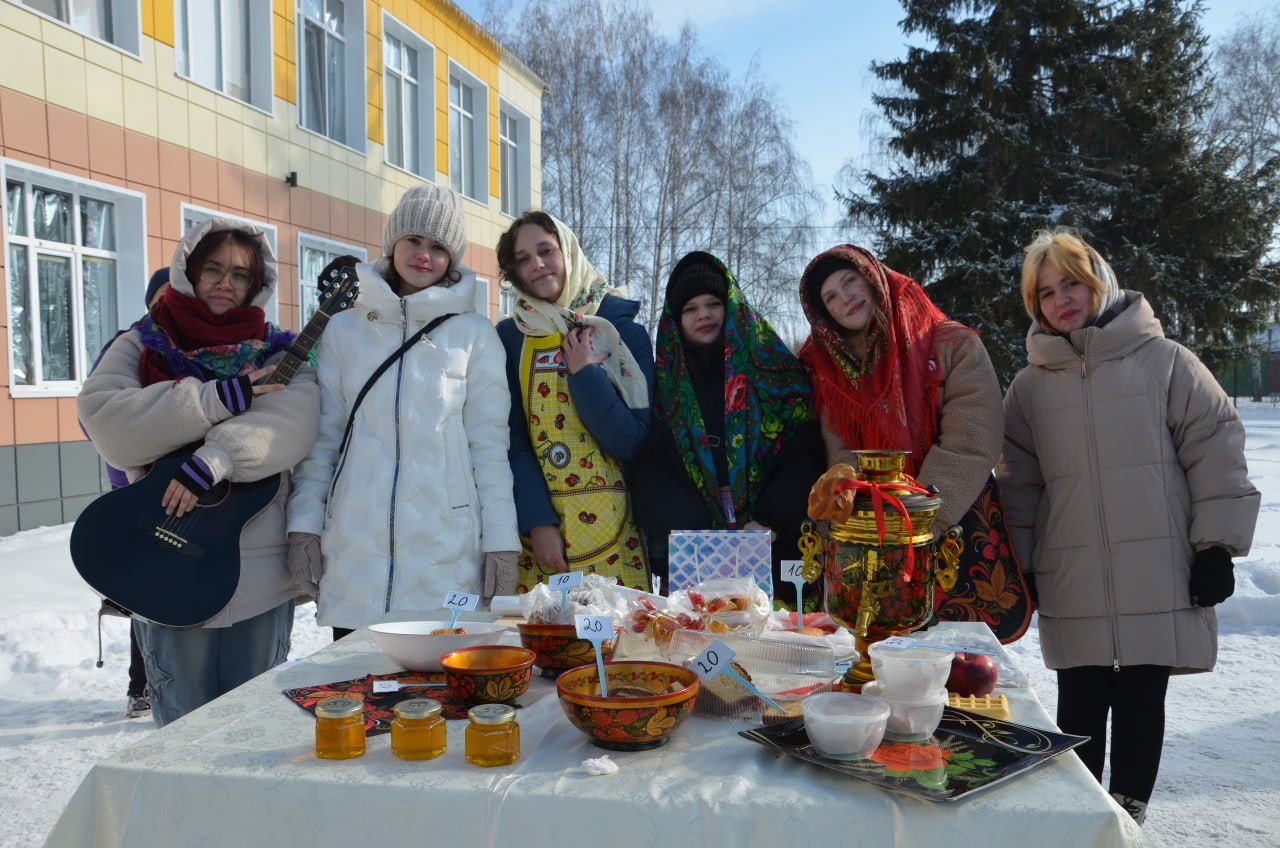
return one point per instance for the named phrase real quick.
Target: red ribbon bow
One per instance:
(879, 496)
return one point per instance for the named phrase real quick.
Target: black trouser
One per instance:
(137, 668)
(1134, 697)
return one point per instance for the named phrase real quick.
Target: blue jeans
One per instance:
(189, 667)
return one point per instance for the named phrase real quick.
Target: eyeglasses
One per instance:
(212, 273)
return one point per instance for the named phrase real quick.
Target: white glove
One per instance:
(499, 573)
(306, 563)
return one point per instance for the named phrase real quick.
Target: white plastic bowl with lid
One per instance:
(909, 672)
(844, 726)
(910, 719)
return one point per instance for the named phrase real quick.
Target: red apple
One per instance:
(972, 674)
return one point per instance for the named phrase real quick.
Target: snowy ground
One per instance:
(1219, 780)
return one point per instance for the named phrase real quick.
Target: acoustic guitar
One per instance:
(181, 572)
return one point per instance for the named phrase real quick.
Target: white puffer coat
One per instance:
(1122, 456)
(425, 489)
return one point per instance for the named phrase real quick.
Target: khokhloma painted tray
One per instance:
(967, 753)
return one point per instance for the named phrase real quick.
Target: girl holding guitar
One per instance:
(185, 376)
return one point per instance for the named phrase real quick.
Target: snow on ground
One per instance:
(1219, 781)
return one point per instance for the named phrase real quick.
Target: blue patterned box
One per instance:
(699, 555)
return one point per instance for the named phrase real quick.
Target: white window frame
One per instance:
(352, 38)
(202, 60)
(193, 215)
(308, 291)
(126, 24)
(506, 299)
(482, 297)
(515, 196)
(478, 154)
(129, 255)
(424, 131)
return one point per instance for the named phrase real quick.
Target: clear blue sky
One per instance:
(816, 54)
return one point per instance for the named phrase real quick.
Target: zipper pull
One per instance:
(1084, 368)
(1115, 664)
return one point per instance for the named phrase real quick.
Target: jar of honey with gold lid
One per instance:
(340, 729)
(418, 730)
(492, 737)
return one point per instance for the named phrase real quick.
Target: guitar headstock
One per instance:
(339, 285)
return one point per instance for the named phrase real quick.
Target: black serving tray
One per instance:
(967, 753)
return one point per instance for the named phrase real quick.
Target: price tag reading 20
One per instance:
(460, 602)
(712, 662)
(593, 627)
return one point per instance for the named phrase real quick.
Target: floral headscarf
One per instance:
(890, 400)
(766, 396)
(580, 299)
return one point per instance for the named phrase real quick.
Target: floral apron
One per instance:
(586, 485)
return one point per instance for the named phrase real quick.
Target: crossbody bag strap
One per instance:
(368, 384)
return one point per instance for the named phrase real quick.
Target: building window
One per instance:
(314, 253)
(67, 246)
(514, 163)
(226, 45)
(507, 299)
(330, 70)
(115, 22)
(482, 296)
(193, 215)
(468, 99)
(408, 102)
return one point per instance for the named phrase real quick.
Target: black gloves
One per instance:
(195, 475)
(1212, 577)
(235, 393)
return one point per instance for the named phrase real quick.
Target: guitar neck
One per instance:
(298, 352)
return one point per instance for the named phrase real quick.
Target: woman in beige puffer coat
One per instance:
(1127, 493)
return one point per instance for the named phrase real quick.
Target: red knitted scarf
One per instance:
(192, 326)
(895, 404)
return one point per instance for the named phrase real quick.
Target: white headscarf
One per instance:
(576, 307)
(1111, 293)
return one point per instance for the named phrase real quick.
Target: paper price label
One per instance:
(712, 662)
(594, 627)
(564, 580)
(460, 601)
(793, 570)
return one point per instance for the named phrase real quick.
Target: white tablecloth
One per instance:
(241, 771)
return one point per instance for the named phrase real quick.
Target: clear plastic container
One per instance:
(787, 672)
(844, 726)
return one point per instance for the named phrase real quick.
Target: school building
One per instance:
(125, 122)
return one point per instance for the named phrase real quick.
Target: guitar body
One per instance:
(179, 572)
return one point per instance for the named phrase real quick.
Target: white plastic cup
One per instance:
(844, 726)
(913, 672)
(910, 719)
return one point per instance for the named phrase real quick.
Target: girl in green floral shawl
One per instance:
(734, 444)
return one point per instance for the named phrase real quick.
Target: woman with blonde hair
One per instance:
(1127, 492)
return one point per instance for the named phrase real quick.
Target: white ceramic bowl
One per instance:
(413, 647)
(910, 719)
(844, 726)
(910, 672)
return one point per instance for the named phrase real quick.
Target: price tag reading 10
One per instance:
(713, 661)
(564, 580)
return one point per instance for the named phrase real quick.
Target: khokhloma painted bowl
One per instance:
(558, 647)
(488, 674)
(647, 702)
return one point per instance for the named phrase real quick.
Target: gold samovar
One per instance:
(878, 553)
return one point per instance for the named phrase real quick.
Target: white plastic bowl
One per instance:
(910, 719)
(844, 726)
(414, 648)
(910, 672)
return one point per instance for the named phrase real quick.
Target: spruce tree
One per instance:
(1020, 116)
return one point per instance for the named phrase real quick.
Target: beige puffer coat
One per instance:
(1122, 456)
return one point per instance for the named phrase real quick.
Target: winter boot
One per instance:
(1135, 808)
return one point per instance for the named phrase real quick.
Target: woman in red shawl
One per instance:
(889, 370)
(185, 374)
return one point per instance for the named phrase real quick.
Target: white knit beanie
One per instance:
(432, 212)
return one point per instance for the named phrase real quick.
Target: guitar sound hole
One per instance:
(216, 495)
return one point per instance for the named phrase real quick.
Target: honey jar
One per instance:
(340, 729)
(418, 730)
(493, 737)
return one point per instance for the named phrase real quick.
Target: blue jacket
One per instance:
(619, 429)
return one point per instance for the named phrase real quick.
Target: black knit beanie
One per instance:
(695, 279)
(158, 279)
